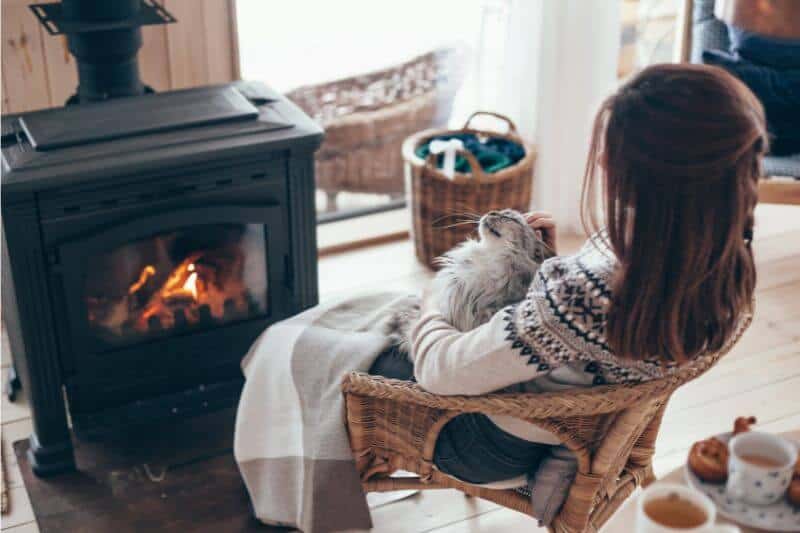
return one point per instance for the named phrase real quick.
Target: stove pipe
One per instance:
(107, 63)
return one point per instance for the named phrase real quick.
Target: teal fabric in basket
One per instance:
(494, 154)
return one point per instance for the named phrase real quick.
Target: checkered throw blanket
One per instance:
(291, 440)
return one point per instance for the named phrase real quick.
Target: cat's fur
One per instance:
(480, 276)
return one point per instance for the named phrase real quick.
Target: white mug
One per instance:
(645, 524)
(754, 484)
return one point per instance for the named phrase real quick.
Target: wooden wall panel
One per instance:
(61, 70)
(153, 58)
(4, 100)
(24, 68)
(199, 49)
(186, 41)
(220, 17)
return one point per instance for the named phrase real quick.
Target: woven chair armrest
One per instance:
(529, 406)
(574, 402)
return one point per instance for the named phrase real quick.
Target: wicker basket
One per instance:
(367, 117)
(438, 202)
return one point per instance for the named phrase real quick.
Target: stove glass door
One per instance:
(172, 276)
(175, 281)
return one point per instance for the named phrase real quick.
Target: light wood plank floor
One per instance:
(760, 377)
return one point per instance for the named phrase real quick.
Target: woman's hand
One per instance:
(544, 224)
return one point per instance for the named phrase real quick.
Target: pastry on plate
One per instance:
(708, 459)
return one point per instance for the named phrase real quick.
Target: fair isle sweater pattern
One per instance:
(563, 320)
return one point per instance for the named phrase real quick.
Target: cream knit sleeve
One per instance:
(448, 361)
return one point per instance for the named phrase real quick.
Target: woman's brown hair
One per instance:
(677, 152)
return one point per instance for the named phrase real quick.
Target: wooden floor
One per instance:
(760, 377)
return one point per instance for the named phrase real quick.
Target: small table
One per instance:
(622, 521)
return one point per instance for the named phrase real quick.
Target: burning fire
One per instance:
(206, 285)
(148, 272)
(191, 281)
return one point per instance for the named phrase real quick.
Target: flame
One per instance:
(148, 272)
(191, 282)
(206, 283)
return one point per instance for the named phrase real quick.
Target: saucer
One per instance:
(779, 516)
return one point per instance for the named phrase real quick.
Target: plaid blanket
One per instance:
(291, 442)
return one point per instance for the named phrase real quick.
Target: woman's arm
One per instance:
(485, 359)
(560, 322)
(447, 361)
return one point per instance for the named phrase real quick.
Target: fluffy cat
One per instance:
(480, 276)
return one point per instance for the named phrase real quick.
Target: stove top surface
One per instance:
(88, 141)
(130, 117)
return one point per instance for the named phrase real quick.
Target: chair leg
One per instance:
(649, 478)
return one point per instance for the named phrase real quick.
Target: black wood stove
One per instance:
(147, 238)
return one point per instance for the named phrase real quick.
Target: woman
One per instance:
(669, 280)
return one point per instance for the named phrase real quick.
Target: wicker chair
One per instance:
(367, 117)
(702, 30)
(393, 425)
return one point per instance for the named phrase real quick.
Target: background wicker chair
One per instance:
(393, 425)
(367, 117)
(704, 31)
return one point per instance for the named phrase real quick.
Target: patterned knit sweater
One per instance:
(553, 340)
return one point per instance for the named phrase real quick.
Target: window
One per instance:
(648, 33)
(372, 73)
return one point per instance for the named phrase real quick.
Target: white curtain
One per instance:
(561, 61)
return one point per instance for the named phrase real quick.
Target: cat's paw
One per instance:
(401, 344)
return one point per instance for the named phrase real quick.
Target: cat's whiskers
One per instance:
(462, 223)
(463, 210)
(458, 214)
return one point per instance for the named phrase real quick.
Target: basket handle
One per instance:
(477, 170)
(511, 126)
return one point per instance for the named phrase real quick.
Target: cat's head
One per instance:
(508, 229)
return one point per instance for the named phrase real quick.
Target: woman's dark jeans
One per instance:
(470, 447)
